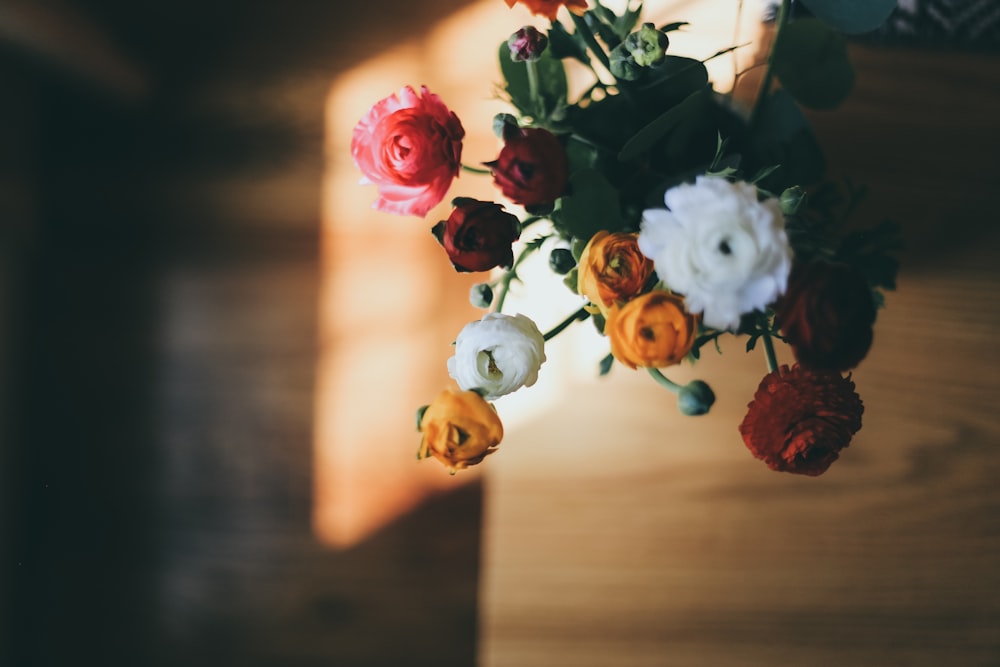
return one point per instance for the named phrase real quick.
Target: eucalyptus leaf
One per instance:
(661, 126)
(669, 82)
(591, 206)
(606, 364)
(811, 61)
(563, 44)
(852, 16)
(581, 154)
(676, 25)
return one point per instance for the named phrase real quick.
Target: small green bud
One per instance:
(647, 46)
(695, 398)
(642, 48)
(623, 65)
(561, 261)
(792, 200)
(481, 295)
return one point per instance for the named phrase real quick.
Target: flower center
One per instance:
(492, 371)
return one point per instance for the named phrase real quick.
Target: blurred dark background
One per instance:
(160, 173)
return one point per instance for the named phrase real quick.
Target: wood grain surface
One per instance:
(618, 532)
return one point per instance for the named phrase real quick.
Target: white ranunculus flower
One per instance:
(726, 252)
(497, 354)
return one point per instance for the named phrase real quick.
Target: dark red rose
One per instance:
(532, 169)
(800, 419)
(827, 315)
(478, 235)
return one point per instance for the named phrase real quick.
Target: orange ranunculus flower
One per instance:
(459, 429)
(612, 269)
(549, 8)
(652, 330)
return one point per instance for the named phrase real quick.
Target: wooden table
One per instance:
(618, 532)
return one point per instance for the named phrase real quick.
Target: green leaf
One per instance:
(669, 82)
(536, 243)
(420, 418)
(661, 126)
(570, 280)
(438, 231)
(551, 78)
(591, 206)
(852, 16)
(580, 153)
(869, 250)
(606, 364)
(562, 44)
(703, 340)
(810, 60)
(784, 137)
(671, 27)
(599, 322)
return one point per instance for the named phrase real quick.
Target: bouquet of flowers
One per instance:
(677, 213)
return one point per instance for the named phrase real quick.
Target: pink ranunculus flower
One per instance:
(410, 146)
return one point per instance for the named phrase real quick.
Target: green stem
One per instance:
(536, 100)
(765, 86)
(592, 44)
(579, 315)
(475, 170)
(510, 276)
(772, 359)
(663, 380)
(736, 40)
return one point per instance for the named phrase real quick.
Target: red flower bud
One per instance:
(827, 315)
(532, 169)
(478, 235)
(799, 419)
(527, 44)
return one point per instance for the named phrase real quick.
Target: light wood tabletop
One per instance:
(618, 532)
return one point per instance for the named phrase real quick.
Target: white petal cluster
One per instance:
(726, 252)
(498, 354)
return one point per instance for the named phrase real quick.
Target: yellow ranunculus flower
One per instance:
(460, 428)
(612, 269)
(652, 330)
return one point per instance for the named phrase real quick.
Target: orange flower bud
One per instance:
(460, 428)
(612, 269)
(652, 330)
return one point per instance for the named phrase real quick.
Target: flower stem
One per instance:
(509, 276)
(475, 170)
(772, 359)
(579, 315)
(663, 380)
(533, 90)
(765, 85)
